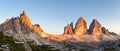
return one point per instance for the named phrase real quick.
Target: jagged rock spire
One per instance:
(68, 29)
(80, 27)
(71, 24)
(24, 19)
(95, 28)
(22, 24)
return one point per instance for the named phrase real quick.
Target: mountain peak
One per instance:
(25, 19)
(80, 27)
(96, 22)
(81, 18)
(95, 28)
(24, 12)
(22, 24)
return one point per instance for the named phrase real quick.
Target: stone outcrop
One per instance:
(80, 27)
(105, 31)
(68, 29)
(38, 29)
(95, 28)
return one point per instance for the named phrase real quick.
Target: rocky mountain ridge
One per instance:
(22, 29)
(95, 28)
(22, 23)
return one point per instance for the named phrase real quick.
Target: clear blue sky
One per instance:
(53, 15)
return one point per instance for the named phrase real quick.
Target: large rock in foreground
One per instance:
(80, 27)
(95, 28)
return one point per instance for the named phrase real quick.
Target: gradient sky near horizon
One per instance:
(53, 15)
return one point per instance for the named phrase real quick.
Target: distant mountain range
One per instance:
(73, 38)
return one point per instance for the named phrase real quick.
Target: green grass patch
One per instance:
(81, 49)
(109, 49)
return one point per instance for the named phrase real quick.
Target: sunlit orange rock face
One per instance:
(80, 27)
(68, 29)
(25, 20)
(38, 29)
(22, 24)
(95, 28)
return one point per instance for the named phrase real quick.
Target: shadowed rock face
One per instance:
(80, 27)
(95, 28)
(104, 31)
(107, 32)
(38, 29)
(71, 24)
